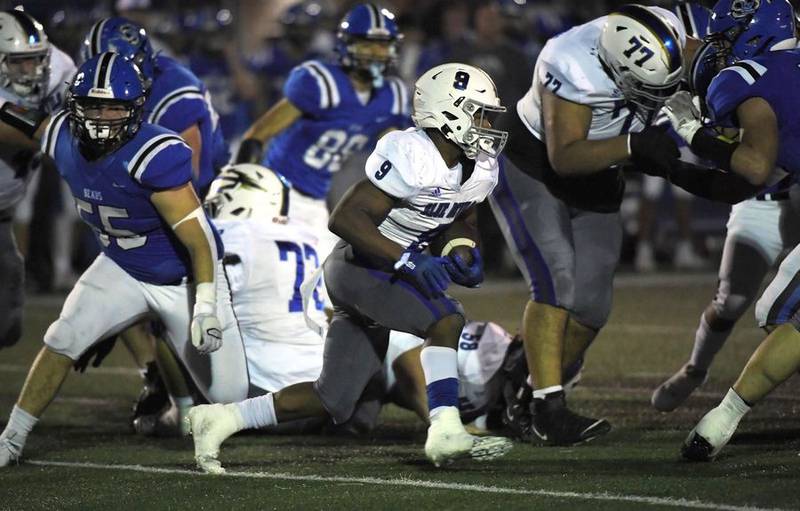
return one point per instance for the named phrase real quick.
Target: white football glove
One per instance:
(206, 329)
(684, 115)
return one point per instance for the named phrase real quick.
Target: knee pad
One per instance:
(61, 338)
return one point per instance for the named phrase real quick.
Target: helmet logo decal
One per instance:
(744, 8)
(130, 33)
(461, 80)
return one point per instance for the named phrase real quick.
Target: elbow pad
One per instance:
(250, 151)
(26, 120)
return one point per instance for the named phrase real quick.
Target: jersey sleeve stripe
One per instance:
(324, 88)
(402, 96)
(49, 141)
(172, 98)
(328, 77)
(138, 164)
(748, 70)
(396, 98)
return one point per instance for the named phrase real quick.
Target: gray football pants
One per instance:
(567, 255)
(368, 303)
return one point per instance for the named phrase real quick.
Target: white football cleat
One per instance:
(8, 452)
(710, 435)
(210, 425)
(448, 441)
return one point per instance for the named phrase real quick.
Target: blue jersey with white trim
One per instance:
(177, 100)
(773, 76)
(333, 125)
(112, 195)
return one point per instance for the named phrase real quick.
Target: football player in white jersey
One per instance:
(267, 256)
(596, 90)
(33, 74)
(419, 182)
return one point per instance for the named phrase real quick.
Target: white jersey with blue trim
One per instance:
(407, 166)
(266, 262)
(569, 67)
(13, 179)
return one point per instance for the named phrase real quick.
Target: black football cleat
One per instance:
(697, 448)
(517, 413)
(555, 424)
(153, 397)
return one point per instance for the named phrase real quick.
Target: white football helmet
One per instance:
(458, 100)
(642, 50)
(247, 190)
(24, 56)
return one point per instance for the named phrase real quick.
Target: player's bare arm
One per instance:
(566, 125)
(755, 156)
(175, 205)
(194, 139)
(272, 122)
(356, 219)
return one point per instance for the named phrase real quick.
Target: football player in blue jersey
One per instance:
(743, 72)
(132, 183)
(329, 111)
(176, 99)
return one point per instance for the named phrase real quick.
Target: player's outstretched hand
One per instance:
(653, 151)
(206, 329)
(467, 274)
(684, 115)
(428, 273)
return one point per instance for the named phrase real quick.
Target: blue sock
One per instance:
(440, 366)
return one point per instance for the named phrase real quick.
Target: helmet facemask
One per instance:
(647, 99)
(370, 57)
(480, 137)
(102, 125)
(27, 74)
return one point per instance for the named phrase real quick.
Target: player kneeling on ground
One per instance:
(130, 181)
(419, 182)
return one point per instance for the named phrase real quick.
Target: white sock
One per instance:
(707, 343)
(541, 394)
(257, 412)
(734, 406)
(440, 365)
(20, 423)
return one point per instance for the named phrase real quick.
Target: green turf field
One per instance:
(82, 456)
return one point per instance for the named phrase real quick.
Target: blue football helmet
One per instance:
(125, 37)
(741, 29)
(105, 102)
(367, 22)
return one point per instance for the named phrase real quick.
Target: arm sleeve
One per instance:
(727, 91)
(182, 111)
(304, 88)
(390, 168)
(561, 80)
(164, 162)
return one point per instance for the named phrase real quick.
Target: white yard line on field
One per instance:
(434, 485)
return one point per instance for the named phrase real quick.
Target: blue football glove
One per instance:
(465, 274)
(429, 274)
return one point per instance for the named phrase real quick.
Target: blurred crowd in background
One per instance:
(244, 49)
